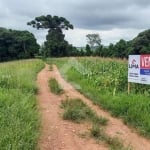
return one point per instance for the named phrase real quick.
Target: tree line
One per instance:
(56, 46)
(139, 45)
(16, 44)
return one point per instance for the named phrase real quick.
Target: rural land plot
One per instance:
(55, 132)
(47, 102)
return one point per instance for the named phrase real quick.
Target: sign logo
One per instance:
(134, 64)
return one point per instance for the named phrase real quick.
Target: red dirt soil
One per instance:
(57, 133)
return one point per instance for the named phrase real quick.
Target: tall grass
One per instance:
(105, 82)
(77, 111)
(55, 87)
(19, 118)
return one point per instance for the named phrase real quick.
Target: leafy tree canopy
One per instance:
(93, 40)
(51, 23)
(141, 44)
(16, 44)
(88, 50)
(55, 44)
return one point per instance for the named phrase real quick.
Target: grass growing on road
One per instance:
(50, 67)
(55, 87)
(19, 118)
(104, 81)
(114, 143)
(76, 110)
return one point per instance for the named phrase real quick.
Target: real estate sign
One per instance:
(139, 69)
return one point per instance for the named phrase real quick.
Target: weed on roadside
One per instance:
(113, 142)
(50, 68)
(77, 111)
(55, 87)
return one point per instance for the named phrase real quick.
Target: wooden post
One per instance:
(129, 86)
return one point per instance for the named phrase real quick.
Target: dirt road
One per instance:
(59, 134)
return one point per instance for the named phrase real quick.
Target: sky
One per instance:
(112, 20)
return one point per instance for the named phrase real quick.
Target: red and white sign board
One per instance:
(139, 69)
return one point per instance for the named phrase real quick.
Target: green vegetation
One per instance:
(19, 118)
(16, 44)
(50, 68)
(55, 87)
(104, 81)
(139, 45)
(114, 143)
(96, 131)
(78, 111)
(55, 44)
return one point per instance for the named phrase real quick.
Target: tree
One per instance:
(55, 44)
(82, 52)
(120, 49)
(98, 51)
(111, 50)
(105, 51)
(93, 40)
(88, 50)
(27, 42)
(141, 44)
(16, 44)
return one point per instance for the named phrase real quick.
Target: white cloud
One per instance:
(112, 20)
(78, 36)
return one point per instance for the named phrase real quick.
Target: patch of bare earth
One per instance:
(56, 133)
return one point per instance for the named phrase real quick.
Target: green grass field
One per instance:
(102, 80)
(105, 82)
(19, 118)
